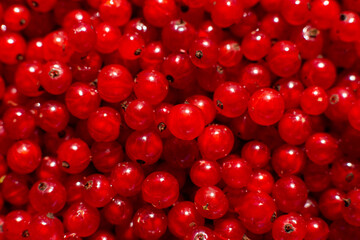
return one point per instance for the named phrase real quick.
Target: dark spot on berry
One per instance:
(219, 104)
(184, 8)
(41, 88)
(25, 234)
(137, 52)
(347, 202)
(349, 177)
(161, 126)
(273, 217)
(219, 69)
(206, 207)
(20, 57)
(50, 215)
(42, 186)
(199, 54)
(65, 164)
(124, 105)
(170, 78)
(88, 184)
(141, 162)
(313, 32)
(34, 4)
(288, 228)
(61, 134)
(342, 17)
(54, 73)
(334, 99)
(22, 22)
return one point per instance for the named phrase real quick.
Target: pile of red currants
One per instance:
(180, 119)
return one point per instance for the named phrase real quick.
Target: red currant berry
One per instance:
(230, 53)
(345, 173)
(295, 127)
(224, 13)
(260, 181)
(288, 160)
(119, 211)
(211, 202)
(16, 17)
(144, 147)
(16, 225)
(350, 209)
(257, 212)
(254, 76)
(231, 99)
(52, 116)
(24, 156)
(82, 219)
(235, 171)
(105, 156)
(161, 189)
(178, 35)
(324, 13)
(126, 178)
(97, 190)
(256, 153)
(314, 100)
(284, 59)
(13, 46)
(46, 226)
(289, 226)
(139, 115)
(317, 228)
(151, 86)
(321, 148)
(266, 106)
(115, 83)
(186, 121)
(15, 189)
(131, 46)
(330, 203)
(149, 223)
(18, 123)
(296, 12)
(203, 52)
(182, 218)
(47, 195)
(117, 12)
(256, 45)
(205, 173)
(74, 155)
(319, 72)
(104, 124)
(56, 77)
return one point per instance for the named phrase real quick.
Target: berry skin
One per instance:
(27, 78)
(16, 17)
(144, 147)
(97, 190)
(211, 202)
(117, 12)
(149, 223)
(260, 181)
(52, 116)
(56, 77)
(84, 224)
(118, 211)
(178, 35)
(13, 46)
(289, 226)
(235, 171)
(107, 37)
(82, 37)
(284, 59)
(256, 153)
(291, 90)
(350, 209)
(324, 13)
(229, 228)
(215, 142)
(41, 5)
(295, 127)
(18, 123)
(16, 225)
(224, 13)
(288, 160)
(24, 156)
(183, 217)
(296, 12)
(341, 101)
(126, 178)
(151, 86)
(47, 195)
(203, 53)
(139, 115)
(266, 107)
(314, 100)
(205, 104)
(317, 228)
(186, 121)
(290, 194)
(205, 173)
(160, 189)
(319, 72)
(321, 148)
(115, 83)
(256, 45)
(82, 99)
(74, 155)
(257, 212)
(104, 124)
(159, 13)
(46, 226)
(231, 99)
(331, 203)
(230, 53)
(131, 46)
